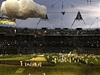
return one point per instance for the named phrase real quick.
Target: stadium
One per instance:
(25, 51)
(31, 46)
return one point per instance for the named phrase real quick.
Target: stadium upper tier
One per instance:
(10, 31)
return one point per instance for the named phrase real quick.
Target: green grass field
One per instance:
(48, 67)
(15, 57)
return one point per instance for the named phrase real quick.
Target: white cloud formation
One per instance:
(23, 9)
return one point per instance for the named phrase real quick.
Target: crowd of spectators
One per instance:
(24, 40)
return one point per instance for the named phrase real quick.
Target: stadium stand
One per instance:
(28, 41)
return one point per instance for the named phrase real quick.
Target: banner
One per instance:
(8, 21)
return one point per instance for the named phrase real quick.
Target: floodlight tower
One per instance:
(96, 20)
(63, 12)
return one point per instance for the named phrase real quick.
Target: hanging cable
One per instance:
(72, 6)
(94, 22)
(63, 12)
(62, 6)
(52, 6)
(40, 21)
(30, 21)
(19, 22)
(65, 23)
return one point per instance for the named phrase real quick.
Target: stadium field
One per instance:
(51, 67)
